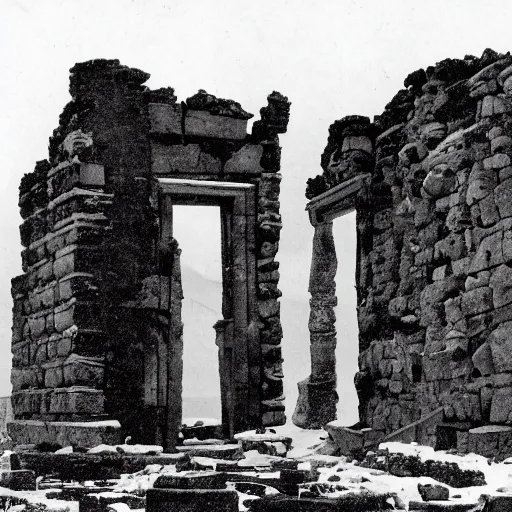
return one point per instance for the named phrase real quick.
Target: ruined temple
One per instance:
(430, 181)
(97, 331)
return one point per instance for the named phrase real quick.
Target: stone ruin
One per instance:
(97, 332)
(430, 181)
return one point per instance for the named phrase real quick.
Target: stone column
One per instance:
(316, 405)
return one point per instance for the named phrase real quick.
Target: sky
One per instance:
(332, 58)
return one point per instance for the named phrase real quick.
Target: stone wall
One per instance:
(434, 266)
(95, 288)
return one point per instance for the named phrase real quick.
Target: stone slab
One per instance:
(18, 480)
(193, 480)
(65, 433)
(86, 466)
(191, 500)
(203, 124)
(226, 451)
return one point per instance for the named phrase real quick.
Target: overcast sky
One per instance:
(331, 58)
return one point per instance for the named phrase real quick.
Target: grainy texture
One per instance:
(97, 330)
(434, 246)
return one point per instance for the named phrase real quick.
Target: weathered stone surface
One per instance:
(97, 311)
(194, 480)
(65, 433)
(499, 341)
(432, 492)
(482, 360)
(245, 161)
(501, 405)
(186, 500)
(179, 159)
(226, 451)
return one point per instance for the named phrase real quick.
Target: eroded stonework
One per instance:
(430, 180)
(97, 331)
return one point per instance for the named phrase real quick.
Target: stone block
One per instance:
(501, 284)
(18, 480)
(191, 500)
(65, 433)
(433, 492)
(201, 123)
(489, 253)
(192, 480)
(501, 406)
(85, 371)
(180, 159)
(477, 301)
(226, 451)
(165, 119)
(53, 374)
(482, 360)
(245, 160)
(489, 440)
(500, 341)
(503, 198)
(496, 503)
(77, 400)
(92, 175)
(349, 441)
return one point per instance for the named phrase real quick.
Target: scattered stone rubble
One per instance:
(393, 477)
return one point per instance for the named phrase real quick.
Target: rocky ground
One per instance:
(286, 469)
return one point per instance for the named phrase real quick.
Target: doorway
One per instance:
(347, 350)
(197, 230)
(236, 335)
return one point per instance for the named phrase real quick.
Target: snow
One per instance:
(350, 477)
(206, 422)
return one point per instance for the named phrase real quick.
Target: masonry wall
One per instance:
(434, 267)
(91, 296)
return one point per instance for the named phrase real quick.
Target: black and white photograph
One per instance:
(255, 256)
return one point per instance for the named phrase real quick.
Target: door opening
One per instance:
(198, 232)
(347, 351)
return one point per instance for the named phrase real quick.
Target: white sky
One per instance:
(331, 58)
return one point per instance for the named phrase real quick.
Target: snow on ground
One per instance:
(203, 422)
(342, 477)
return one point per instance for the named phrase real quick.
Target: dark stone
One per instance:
(18, 480)
(191, 500)
(430, 492)
(199, 480)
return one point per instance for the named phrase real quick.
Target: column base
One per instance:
(316, 405)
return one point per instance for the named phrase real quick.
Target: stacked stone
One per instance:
(100, 300)
(448, 309)
(60, 314)
(274, 120)
(58, 365)
(434, 252)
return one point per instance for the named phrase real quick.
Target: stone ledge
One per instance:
(65, 433)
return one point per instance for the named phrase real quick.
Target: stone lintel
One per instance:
(168, 120)
(337, 201)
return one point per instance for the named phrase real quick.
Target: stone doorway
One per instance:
(197, 228)
(236, 330)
